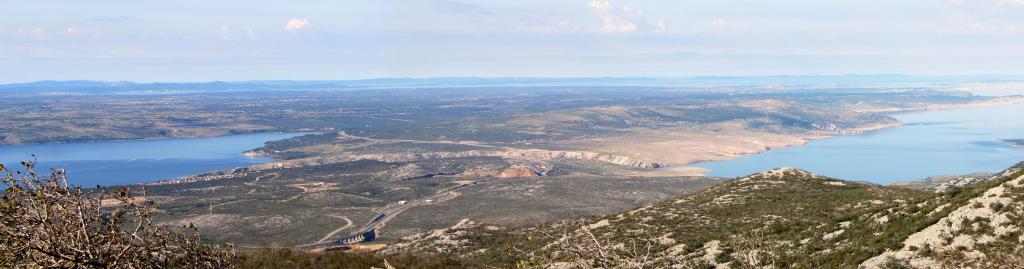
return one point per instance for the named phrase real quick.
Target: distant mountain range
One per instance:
(707, 81)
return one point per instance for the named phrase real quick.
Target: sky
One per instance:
(334, 40)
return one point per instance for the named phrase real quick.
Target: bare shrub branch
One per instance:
(48, 223)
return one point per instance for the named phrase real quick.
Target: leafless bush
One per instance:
(47, 223)
(574, 245)
(1006, 257)
(579, 248)
(755, 249)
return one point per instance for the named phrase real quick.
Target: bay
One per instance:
(929, 143)
(127, 162)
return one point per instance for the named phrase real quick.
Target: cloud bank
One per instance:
(297, 24)
(625, 19)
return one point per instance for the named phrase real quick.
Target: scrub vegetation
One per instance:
(47, 223)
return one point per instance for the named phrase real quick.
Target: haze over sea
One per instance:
(126, 162)
(930, 143)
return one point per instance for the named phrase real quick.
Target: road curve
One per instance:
(348, 223)
(380, 220)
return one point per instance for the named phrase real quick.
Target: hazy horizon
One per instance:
(907, 77)
(332, 40)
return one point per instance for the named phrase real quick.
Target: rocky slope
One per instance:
(981, 233)
(783, 218)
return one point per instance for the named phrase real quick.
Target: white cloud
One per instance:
(79, 32)
(229, 33)
(66, 33)
(297, 24)
(33, 33)
(612, 20)
(660, 25)
(601, 5)
(720, 23)
(995, 16)
(625, 19)
(632, 13)
(461, 8)
(995, 3)
(1004, 7)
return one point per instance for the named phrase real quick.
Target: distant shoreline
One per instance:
(867, 128)
(147, 138)
(692, 169)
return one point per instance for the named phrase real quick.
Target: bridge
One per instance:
(367, 233)
(370, 231)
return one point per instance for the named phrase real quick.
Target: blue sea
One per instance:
(127, 162)
(930, 143)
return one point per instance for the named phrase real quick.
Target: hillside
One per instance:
(783, 218)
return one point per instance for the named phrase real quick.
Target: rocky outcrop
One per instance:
(256, 153)
(407, 171)
(960, 182)
(517, 171)
(780, 173)
(989, 218)
(442, 240)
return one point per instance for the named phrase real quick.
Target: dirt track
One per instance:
(348, 223)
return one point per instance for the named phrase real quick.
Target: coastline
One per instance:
(998, 101)
(641, 146)
(1002, 101)
(755, 142)
(726, 147)
(145, 164)
(145, 138)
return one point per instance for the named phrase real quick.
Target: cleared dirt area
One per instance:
(315, 186)
(681, 147)
(137, 200)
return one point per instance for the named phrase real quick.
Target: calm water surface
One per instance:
(945, 142)
(125, 162)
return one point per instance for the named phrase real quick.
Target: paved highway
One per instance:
(369, 231)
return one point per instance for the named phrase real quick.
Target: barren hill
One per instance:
(783, 218)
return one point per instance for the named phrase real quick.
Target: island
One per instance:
(1015, 142)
